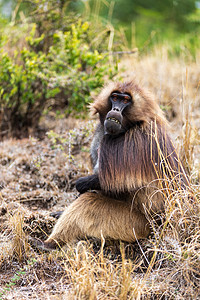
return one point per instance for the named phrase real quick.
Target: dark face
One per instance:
(114, 123)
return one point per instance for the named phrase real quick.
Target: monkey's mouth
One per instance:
(114, 120)
(112, 126)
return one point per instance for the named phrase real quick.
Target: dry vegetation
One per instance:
(37, 177)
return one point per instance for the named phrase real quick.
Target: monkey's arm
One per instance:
(87, 183)
(94, 150)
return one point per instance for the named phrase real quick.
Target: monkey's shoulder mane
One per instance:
(136, 158)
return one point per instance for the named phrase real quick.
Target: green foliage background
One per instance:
(45, 56)
(147, 23)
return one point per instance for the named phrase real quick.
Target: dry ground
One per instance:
(38, 176)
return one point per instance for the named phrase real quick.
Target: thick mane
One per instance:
(122, 165)
(137, 158)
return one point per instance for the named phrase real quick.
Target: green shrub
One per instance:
(29, 77)
(79, 69)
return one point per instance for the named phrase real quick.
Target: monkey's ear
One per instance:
(100, 103)
(93, 110)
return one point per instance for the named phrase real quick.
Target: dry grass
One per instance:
(165, 266)
(168, 264)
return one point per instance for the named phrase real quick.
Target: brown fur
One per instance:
(94, 214)
(132, 168)
(148, 155)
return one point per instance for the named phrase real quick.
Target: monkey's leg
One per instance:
(93, 214)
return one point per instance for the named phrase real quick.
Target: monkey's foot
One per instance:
(56, 214)
(44, 246)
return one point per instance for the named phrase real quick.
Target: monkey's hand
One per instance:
(84, 184)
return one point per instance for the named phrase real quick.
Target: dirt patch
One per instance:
(37, 178)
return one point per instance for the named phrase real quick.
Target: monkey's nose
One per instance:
(116, 109)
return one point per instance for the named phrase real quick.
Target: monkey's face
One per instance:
(114, 123)
(123, 105)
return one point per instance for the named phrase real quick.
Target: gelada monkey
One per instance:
(134, 160)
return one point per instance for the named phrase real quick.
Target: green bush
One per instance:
(30, 77)
(79, 69)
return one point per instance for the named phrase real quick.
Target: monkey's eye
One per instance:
(126, 99)
(114, 97)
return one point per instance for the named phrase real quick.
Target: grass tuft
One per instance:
(19, 240)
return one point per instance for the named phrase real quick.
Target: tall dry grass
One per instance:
(167, 265)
